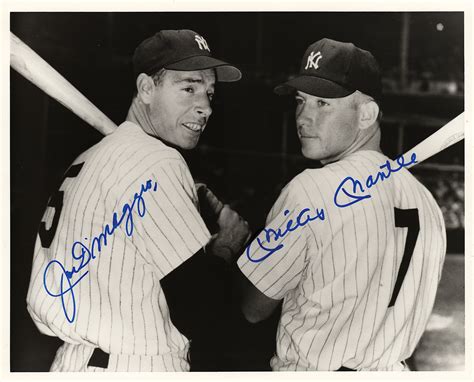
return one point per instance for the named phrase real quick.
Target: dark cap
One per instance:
(333, 69)
(183, 50)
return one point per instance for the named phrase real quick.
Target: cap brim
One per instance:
(316, 86)
(225, 71)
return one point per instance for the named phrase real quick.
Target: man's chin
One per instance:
(189, 145)
(183, 144)
(311, 154)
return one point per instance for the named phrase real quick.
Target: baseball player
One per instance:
(354, 250)
(124, 228)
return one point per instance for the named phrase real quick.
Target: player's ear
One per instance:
(368, 113)
(145, 87)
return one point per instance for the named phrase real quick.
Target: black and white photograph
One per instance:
(237, 191)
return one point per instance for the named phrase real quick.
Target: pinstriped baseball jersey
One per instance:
(118, 305)
(338, 276)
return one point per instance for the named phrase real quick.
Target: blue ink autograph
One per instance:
(83, 254)
(351, 187)
(351, 193)
(271, 234)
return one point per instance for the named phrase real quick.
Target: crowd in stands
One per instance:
(448, 191)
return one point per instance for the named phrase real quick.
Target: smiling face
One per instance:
(180, 106)
(326, 126)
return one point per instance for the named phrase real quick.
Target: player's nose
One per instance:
(303, 122)
(305, 114)
(203, 106)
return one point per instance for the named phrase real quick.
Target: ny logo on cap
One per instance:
(202, 43)
(313, 60)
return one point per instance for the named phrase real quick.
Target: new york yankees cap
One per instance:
(183, 50)
(334, 69)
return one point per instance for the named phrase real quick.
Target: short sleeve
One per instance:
(172, 229)
(275, 273)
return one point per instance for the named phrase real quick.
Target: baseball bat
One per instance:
(30, 65)
(444, 137)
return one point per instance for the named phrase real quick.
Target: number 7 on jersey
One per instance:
(409, 219)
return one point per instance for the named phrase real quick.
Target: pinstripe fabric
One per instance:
(336, 276)
(121, 307)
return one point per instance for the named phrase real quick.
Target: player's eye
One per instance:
(210, 95)
(189, 89)
(299, 100)
(322, 103)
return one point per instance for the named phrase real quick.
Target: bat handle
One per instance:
(447, 136)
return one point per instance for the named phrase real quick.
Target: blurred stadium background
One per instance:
(250, 148)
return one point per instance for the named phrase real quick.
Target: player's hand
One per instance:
(233, 234)
(210, 206)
